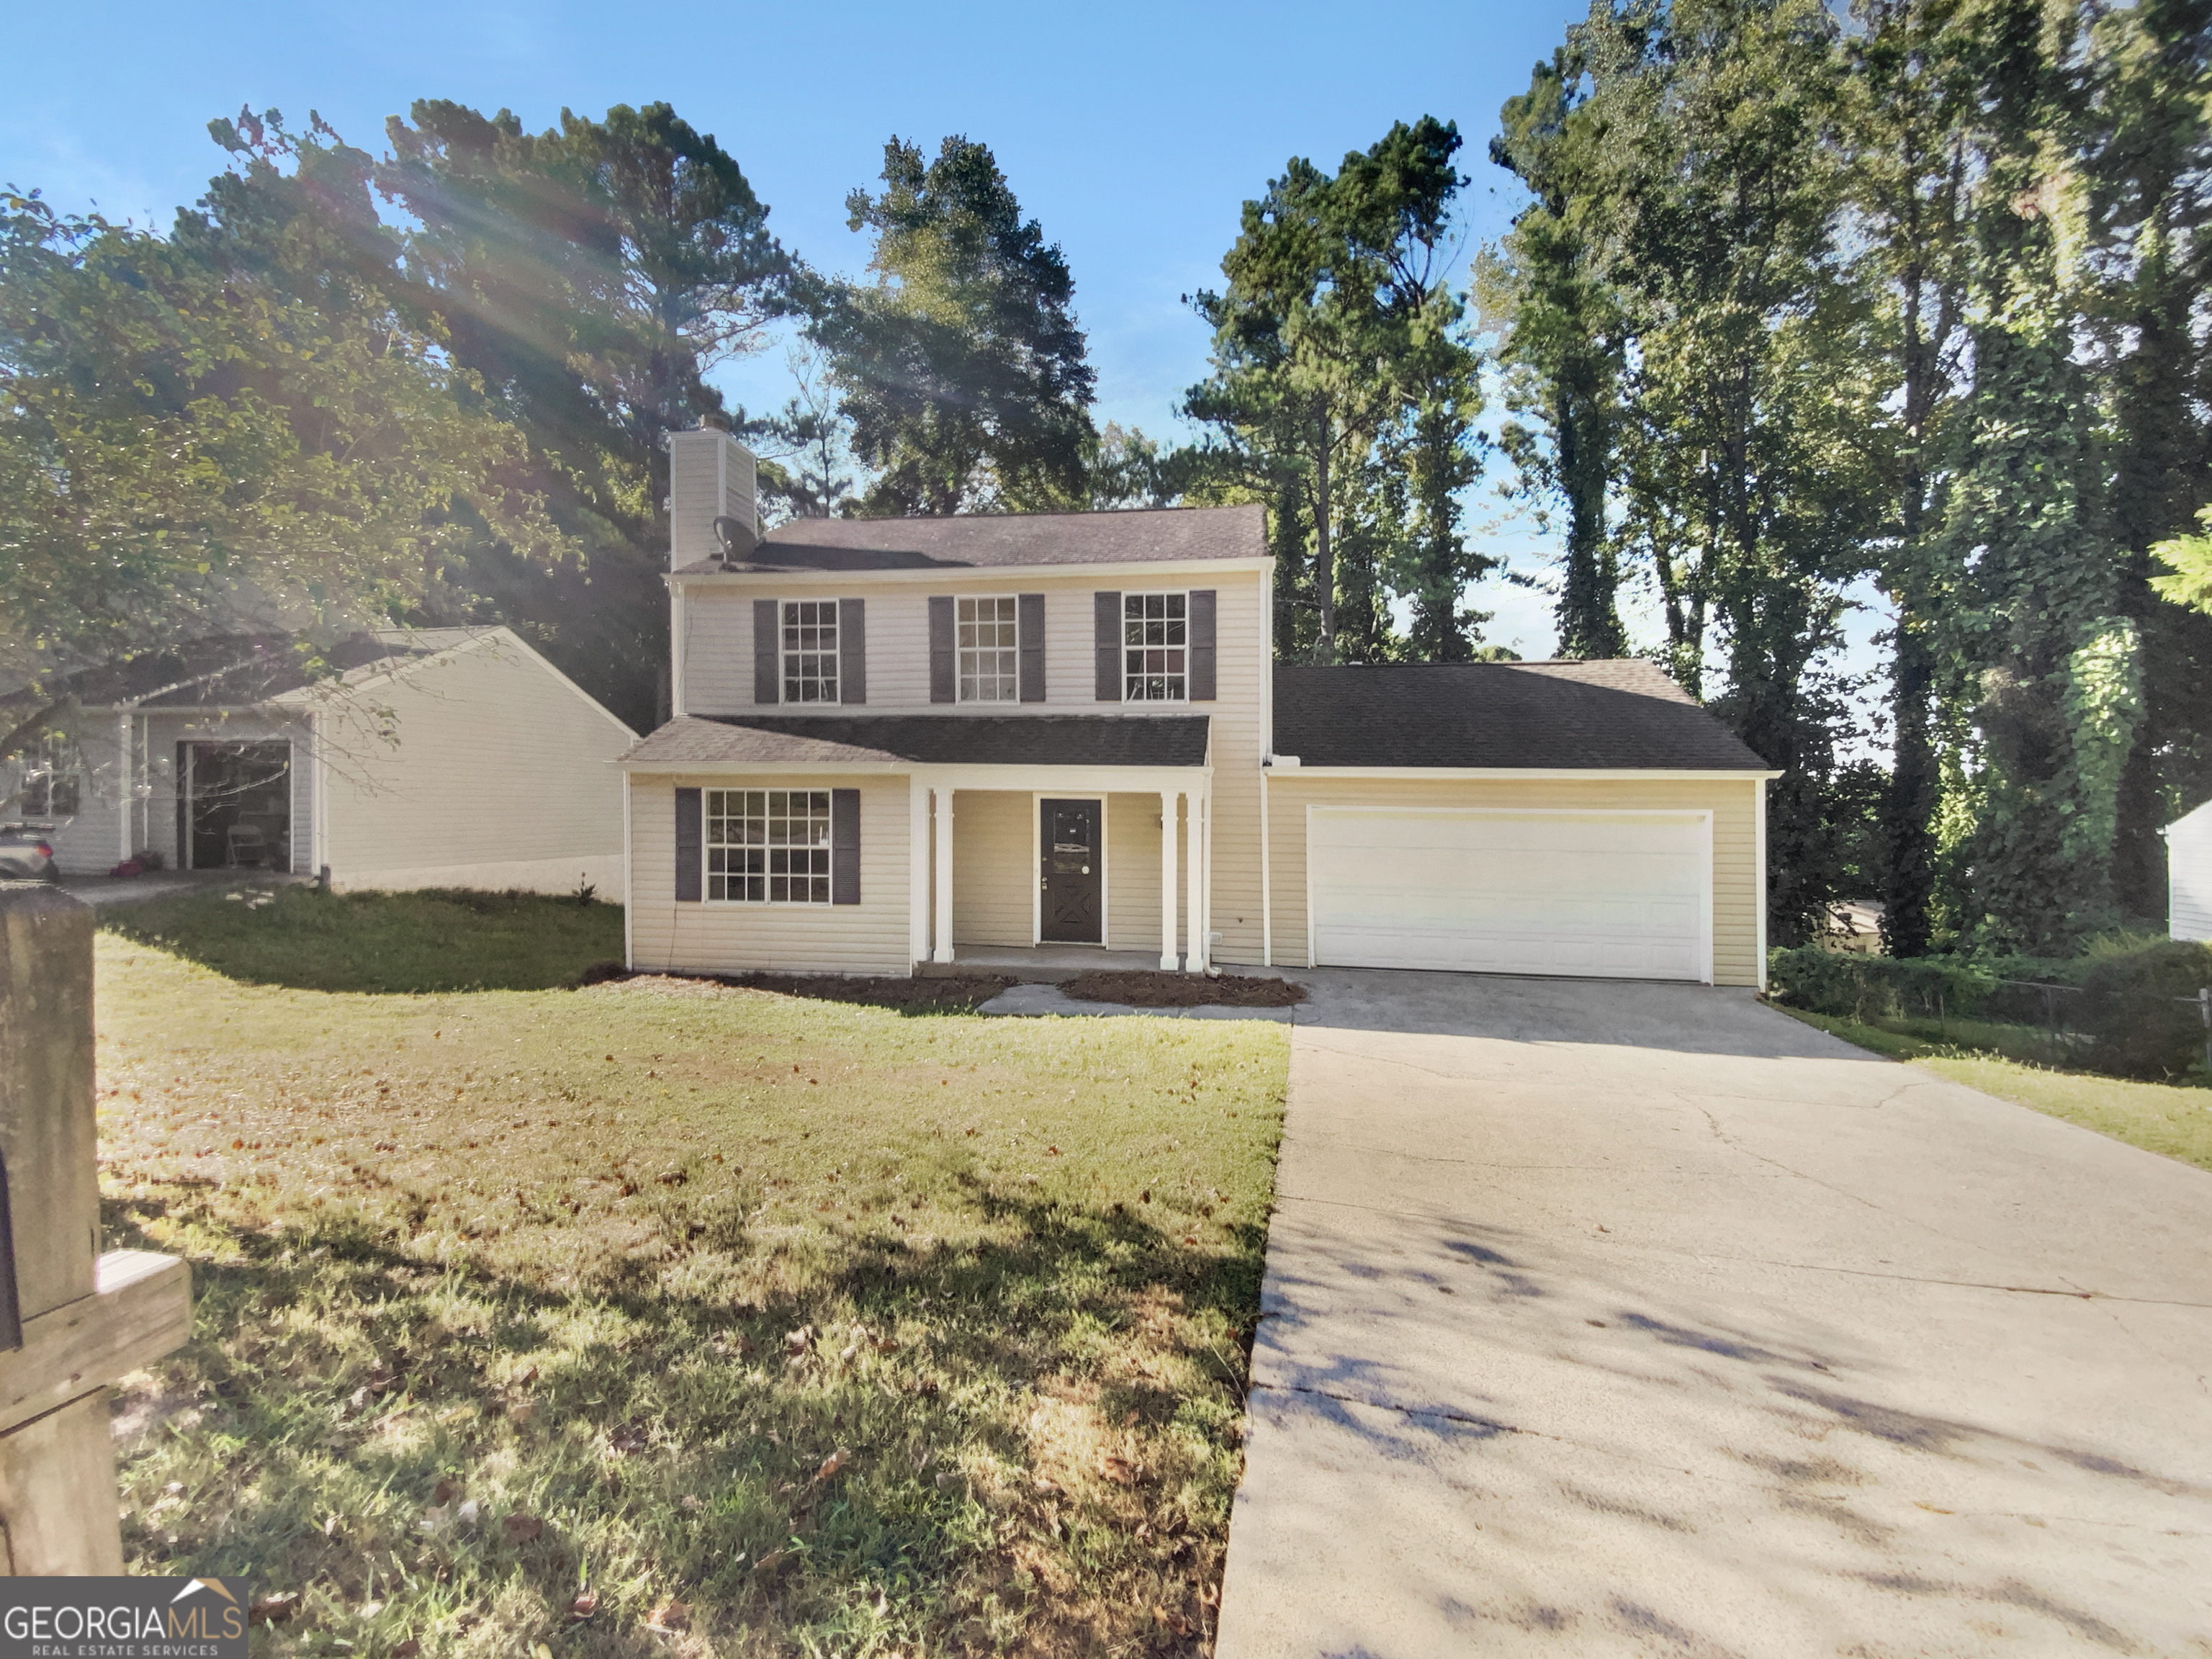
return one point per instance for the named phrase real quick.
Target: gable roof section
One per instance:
(923, 740)
(1622, 714)
(1014, 540)
(239, 669)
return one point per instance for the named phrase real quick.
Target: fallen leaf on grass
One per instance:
(771, 1561)
(1175, 1623)
(523, 1528)
(447, 1489)
(832, 1464)
(521, 1410)
(671, 1615)
(273, 1609)
(691, 1500)
(624, 1438)
(1119, 1470)
(585, 1604)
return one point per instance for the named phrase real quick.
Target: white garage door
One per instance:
(1617, 894)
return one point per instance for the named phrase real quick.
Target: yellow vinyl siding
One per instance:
(867, 938)
(994, 866)
(494, 774)
(1732, 805)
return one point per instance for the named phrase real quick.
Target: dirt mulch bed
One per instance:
(1142, 989)
(954, 994)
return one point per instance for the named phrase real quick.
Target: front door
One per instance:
(1074, 873)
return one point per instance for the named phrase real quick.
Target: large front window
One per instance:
(1155, 646)
(988, 651)
(810, 651)
(769, 846)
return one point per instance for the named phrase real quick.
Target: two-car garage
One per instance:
(1574, 818)
(1608, 894)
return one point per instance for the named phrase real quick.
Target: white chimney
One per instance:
(710, 476)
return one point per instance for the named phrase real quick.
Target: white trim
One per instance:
(1066, 781)
(942, 948)
(1194, 955)
(1170, 814)
(630, 886)
(935, 575)
(679, 620)
(1547, 774)
(1703, 815)
(319, 797)
(1037, 799)
(1758, 883)
(917, 872)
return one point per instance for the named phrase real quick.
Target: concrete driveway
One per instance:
(1640, 1319)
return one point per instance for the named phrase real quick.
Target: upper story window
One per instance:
(989, 671)
(767, 846)
(1155, 648)
(810, 652)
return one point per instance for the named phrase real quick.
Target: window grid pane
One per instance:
(810, 651)
(767, 846)
(989, 651)
(1154, 646)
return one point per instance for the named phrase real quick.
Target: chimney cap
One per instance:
(715, 418)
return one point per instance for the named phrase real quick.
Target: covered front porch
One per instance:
(1055, 871)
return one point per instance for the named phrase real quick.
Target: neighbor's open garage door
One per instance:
(1616, 894)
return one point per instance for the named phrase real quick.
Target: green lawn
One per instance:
(2173, 1120)
(302, 937)
(529, 1322)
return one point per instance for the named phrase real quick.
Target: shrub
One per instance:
(1865, 987)
(2139, 1025)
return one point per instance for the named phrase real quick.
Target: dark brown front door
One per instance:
(1074, 874)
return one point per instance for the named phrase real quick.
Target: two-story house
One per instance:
(897, 741)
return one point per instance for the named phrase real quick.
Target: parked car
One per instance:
(26, 853)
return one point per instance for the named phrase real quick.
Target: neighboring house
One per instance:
(897, 741)
(2189, 875)
(434, 758)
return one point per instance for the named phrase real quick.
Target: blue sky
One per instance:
(1132, 133)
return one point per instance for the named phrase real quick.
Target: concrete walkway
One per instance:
(1639, 1319)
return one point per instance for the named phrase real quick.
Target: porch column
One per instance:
(944, 950)
(1195, 885)
(1168, 959)
(917, 866)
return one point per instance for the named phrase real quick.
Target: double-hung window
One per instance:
(989, 651)
(810, 651)
(1155, 648)
(767, 846)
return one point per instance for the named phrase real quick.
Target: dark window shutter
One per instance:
(689, 863)
(944, 677)
(768, 653)
(852, 651)
(844, 846)
(1028, 619)
(1200, 685)
(1107, 635)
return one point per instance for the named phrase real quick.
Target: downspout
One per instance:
(1267, 881)
(630, 944)
(1758, 807)
(123, 796)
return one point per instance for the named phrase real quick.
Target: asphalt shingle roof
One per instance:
(1619, 714)
(1138, 536)
(926, 740)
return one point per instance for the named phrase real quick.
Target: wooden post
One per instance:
(81, 1319)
